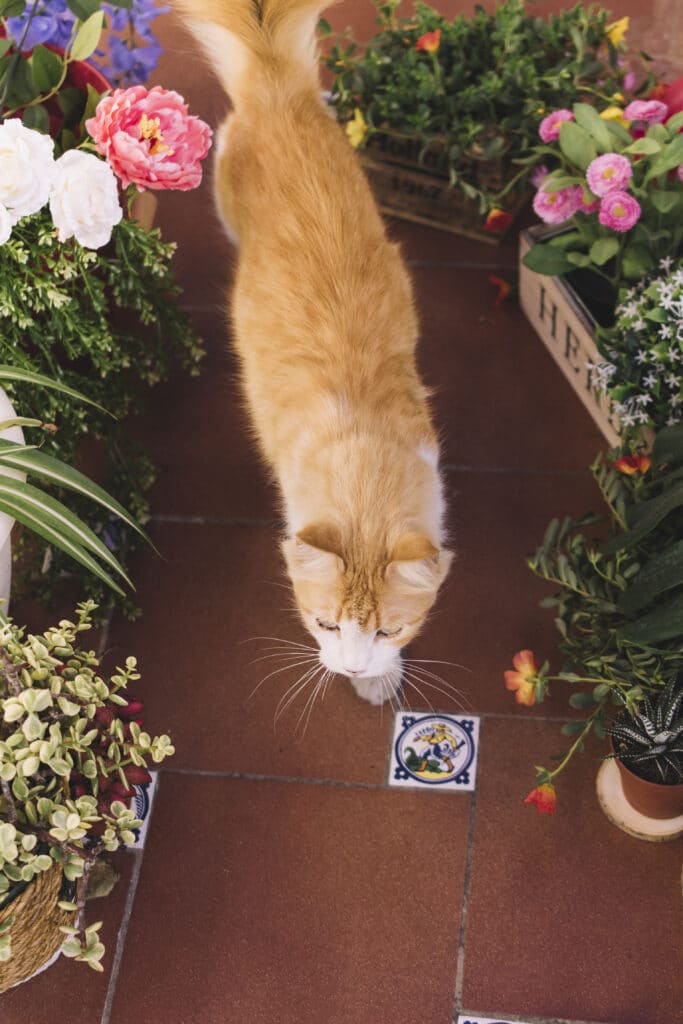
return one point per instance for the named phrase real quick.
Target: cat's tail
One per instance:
(252, 42)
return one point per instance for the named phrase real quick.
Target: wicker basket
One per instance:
(35, 933)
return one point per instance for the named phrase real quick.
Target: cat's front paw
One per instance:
(377, 689)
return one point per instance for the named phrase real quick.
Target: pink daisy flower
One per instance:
(556, 207)
(585, 207)
(609, 173)
(549, 128)
(538, 175)
(652, 111)
(679, 172)
(619, 211)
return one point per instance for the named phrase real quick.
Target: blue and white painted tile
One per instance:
(432, 751)
(466, 1019)
(141, 803)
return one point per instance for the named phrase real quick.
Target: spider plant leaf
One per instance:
(42, 513)
(19, 421)
(665, 622)
(40, 464)
(17, 373)
(660, 573)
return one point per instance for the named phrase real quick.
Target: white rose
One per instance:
(26, 166)
(6, 223)
(84, 199)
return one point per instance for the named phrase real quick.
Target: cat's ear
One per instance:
(314, 553)
(416, 564)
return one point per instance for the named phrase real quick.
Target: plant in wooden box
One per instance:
(618, 199)
(71, 748)
(642, 365)
(619, 603)
(463, 100)
(86, 296)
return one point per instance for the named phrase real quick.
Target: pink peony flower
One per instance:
(549, 128)
(651, 111)
(556, 207)
(149, 139)
(538, 175)
(609, 173)
(619, 211)
(585, 207)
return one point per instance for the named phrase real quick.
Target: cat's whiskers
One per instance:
(279, 640)
(288, 697)
(310, 703)
(435, 661)
(450, 691)
(411, 682)
(282, 668)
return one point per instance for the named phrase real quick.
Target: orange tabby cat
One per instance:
(325, 327)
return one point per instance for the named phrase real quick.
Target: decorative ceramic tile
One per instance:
(434, 751)
(141, 803)
(466, 1019)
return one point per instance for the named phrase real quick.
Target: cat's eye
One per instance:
(332, 626)
(389, 632)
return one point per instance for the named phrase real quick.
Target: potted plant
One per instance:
(618, 603)
(446, 112)
(647, 797)
(96, 306)
(71, 748)
(613, 206)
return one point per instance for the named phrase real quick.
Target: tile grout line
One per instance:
(515, 1017)
(460, 965)
(201, 520)
(121, 937)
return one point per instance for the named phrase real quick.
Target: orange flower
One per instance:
(544, 798)
(631, 464)
(503, 287)
(522, 681)
(429, 42)
(498, 220)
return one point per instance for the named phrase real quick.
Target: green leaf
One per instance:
(545, 259)
(83, 9)
(600, 691)
(554, 184)
(590, 120)
(324, 27)
(579, 259)
(37, 118)
(675, 123)
(643, 518)
(53, 521)
(34, 462)
(46, 68)
(572, 728)
(661, 573)
(671, 156)
(11, 8)
(603, 250)
(664, 623)
(665, 201)
(646, 146)
(668, 446)
(29, 377)
(636, 262)
(577, 145)
(582, 700)
(88, 36)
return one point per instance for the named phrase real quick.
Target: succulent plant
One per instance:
(650, 742)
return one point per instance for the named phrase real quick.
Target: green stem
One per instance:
(577, 742)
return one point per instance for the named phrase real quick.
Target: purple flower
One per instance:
(549, 128)
(609, 173)
(651, 111)
(619, 211)
(557, 207)
(55, 27)
(629, 81)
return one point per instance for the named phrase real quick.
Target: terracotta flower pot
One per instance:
(653, 799)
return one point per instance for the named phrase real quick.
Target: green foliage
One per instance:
(487, 88)
(105, 323)
(619, 600)
(57, 724)
(650, 742)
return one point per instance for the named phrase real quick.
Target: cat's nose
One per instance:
(352, 671)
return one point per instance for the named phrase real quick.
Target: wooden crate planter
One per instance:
(410, 180)
(567, 330)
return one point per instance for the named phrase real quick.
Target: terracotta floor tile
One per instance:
(488, 608)
(567, 917)
(216, 587)
(500, 399)
(69, 990)
(296, 904)
(197, 432)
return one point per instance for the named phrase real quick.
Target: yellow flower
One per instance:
(357, 129)
(617, 30)
(619, 97)
(615, 114)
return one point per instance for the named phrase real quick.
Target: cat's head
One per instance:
(360, 607)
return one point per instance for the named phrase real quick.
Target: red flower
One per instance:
(631, 464)
(523, 680)
(497, 221)
(429, 42)
(544, 797)
(503, 287)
